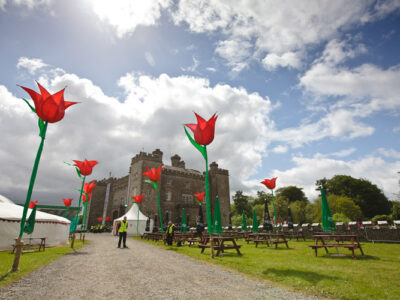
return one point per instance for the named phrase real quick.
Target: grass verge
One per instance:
(30, 261)
(372, 276)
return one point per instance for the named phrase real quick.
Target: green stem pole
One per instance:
(208, 207)
(33, 178)
(84, 215)
(273, 205)
(159, 208)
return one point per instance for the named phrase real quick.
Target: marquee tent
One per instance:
(132, 218)
(54, 228)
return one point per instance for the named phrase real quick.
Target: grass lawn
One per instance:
(373, 276)
(30, 262)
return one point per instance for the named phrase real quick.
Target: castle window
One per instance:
(169, 180)
(168, 196)
(187, 184)
(187, 199)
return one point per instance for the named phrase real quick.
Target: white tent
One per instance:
(54, 228)
(132, 218)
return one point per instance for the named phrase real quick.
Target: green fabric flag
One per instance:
(255, 223)
(183, 225)
(327, 220)
(244, 226)
(30, 223)
(217, 225)
(74, 223)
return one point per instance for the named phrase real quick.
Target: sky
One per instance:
(303, 89)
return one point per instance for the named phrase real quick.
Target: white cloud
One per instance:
(275, 28)
(374, 169)
(288, 60)
(344, 153)
(150, 59)
(30, 64)
(30, 4)
(396, 129)
(150, 115)
(391, 153)
(126, 15)
(280, 149)
(211, 69)
(193, 67)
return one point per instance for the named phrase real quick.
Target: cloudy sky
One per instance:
(303, 89)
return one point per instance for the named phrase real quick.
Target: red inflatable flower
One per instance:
(32, 204)
(269, 183)
(88, 187)
(153, 174)
(67, 202)
(50, 108)
(86, 199)
(204, 130)
(199, 197)
(108, 218)
(138, 199)
(100, 219)
(85, 167)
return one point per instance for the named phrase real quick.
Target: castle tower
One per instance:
(219, 186)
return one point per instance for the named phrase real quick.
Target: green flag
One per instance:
(217, 225)
(255, 223)
(327, 221)
(183, 226)
(74, 224)
(30, 223)
(244, 226)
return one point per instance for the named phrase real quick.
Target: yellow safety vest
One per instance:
(123, 227)
(171, 229)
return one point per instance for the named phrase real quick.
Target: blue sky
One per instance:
(304, 90)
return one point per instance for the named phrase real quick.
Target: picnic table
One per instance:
(31, 243)
(219, 243)
(349, 241)
(278, 238)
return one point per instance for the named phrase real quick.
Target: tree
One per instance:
(262, 197)
(292, 193)
(281, 208)
(338, 205)
(396, 210)
(299, 212)
(242, 204)
(366, 195)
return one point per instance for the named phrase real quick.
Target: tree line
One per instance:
(350, 199)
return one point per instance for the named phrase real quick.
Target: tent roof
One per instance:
(4, 199)
(132, 214)
(13, 212)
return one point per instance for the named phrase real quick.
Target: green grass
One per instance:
(30, 261)
(373, 276)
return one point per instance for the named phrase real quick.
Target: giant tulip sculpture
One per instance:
(270, 184)
(203, 133)
(50, 109)
(153, 176)
(138, 200)
(87, 194)
(83, 169)
(67, 203)
(199, 197)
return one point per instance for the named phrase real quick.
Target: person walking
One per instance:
(123, 228)
(170, 233)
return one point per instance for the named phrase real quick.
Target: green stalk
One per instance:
(33, 178)
(208, 208)
(159, 208)
(137, 226)
(273, 205)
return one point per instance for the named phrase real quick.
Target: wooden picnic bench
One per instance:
(30, 244)
(261, 238)
(219, 243)
(348, 241)
(278, 238)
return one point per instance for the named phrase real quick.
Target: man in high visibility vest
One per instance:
(123, 228)
(170, 233)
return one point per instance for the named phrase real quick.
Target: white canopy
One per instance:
(54, 228)
(132, 218)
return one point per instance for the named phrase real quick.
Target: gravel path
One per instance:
(102, 271)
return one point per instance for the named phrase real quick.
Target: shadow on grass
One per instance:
(312, 277)
(348, 256)
(4, 276)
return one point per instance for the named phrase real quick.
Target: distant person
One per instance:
(123, 228)
(170, 233)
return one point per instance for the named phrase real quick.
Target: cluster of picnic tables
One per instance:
(218, 243)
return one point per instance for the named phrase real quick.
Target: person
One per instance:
(123, 228)
(170, 233)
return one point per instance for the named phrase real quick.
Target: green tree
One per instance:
(281, 207)
(260, 213)
(395, 210)
(366, 195)
(292, 193)
(299, 212)
(338, 205)
(242, 204)
(261, 197)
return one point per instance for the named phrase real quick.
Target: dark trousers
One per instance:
(122, 235)
(169, 239)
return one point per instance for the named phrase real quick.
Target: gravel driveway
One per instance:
(102, 271)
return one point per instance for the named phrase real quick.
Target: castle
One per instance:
(113, 196)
